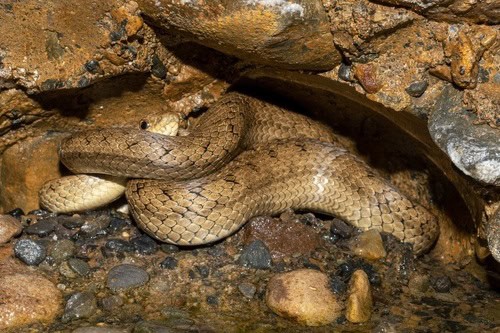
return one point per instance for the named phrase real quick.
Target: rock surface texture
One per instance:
(400, 80)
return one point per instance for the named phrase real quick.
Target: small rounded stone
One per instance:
(126, 276)
(30, 252)
(256, 255)
(303, 295)
(442, 284)
(359, 302)
(247, 289)
(169, 263)
(79, 305)
(368, 245)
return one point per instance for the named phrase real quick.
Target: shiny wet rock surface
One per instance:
(113, 277)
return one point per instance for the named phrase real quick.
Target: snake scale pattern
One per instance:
(243, 158)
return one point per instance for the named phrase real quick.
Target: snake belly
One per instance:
(244, 158)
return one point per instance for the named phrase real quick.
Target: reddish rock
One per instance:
(282, 237)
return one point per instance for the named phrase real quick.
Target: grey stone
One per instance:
(126, 276)
(79, 266)
(256, 255)
(473, 148)
(30, 252)
(62, 250)
(79, 305)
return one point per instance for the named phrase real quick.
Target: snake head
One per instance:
(166, 124)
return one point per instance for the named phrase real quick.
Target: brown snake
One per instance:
(244, 158)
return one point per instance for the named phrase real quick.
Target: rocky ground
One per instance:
(98, 272)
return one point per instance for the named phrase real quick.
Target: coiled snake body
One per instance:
(243, 158)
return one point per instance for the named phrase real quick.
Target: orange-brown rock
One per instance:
(25, 168)
(304, 296)
(9, 227)
(26, 297)
(359, 302)
(278, 33)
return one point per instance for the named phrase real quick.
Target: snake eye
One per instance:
(144, 124)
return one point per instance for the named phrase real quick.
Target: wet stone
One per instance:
(368, 245)
(359, 302)
(42, 228)
(345, 72)
(9, 228)
(111, 302)
(71, 222)
(119, 245)
(345, 270)
(117, 224)
(62, 250)
(212, 300)
(144, 244)
(126, 276)
(94, 226)
(158, 69)
(255, 255)
(16, 212)
(204, 271)
(417, 88)
(30, 252)
(169, 263)
(337, 285)
(92, 66)
(441, 284)
(79, 266)
(169, 248)
(341, 230)
(247, 289)
(304, 296)
(80, 305)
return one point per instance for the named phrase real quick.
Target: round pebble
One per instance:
(62, 250)
(79, 266)
(368, 245)
(30, 252)
(417, 88)
(144, 244)
(442, 284)
(304, 296)
(111, 302)
(247, 289)
(203, 270)
(118, 245)
(341, 230)
(80, 305)
(71, 222)
(256, 255)
(95, 226)
(169, 263)
(16, 212)
(212, 300)
(42, 228)
(337, 285)
(118, 224)
(126, 276)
